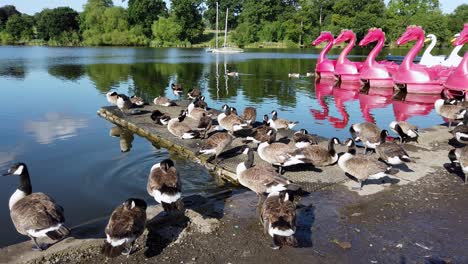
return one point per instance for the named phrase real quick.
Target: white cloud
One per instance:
(54, 126)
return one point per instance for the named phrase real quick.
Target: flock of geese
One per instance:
(36, 215)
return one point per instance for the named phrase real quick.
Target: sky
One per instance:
(33, 6)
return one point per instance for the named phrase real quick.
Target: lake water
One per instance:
(51, 95)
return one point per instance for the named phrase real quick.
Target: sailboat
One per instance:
(225, 48)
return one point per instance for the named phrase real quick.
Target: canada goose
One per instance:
(310, 74)
(205, 123)
(261, 179)
(461, 103)
(123, 103)
(404, 130)
(260, 134)
(224, 109)
(278, 217)
(390, 152)
(302, 138)
(216, 144)
(361, 167)
(278, 123)
(34, 215)
(165, 186)
(163, 101)
(367, 132)
(460, 132)
(249, 115)
(160, 117)
(231, 122)
(294, 75)
(112, 98)
(275, 153)
(460, 156)
(194, 93)
(136, 100)
(179, 129)
(126, 224)
(449, 111)
(315, 154)
(200, 103)
(232, 74)
(177, 89)
(195, 112)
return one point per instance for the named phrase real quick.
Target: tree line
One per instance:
(251, 22)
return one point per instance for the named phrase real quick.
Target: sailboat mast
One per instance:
(216, 24)
(225, 27)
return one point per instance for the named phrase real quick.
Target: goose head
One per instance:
(233, 110)
(166, 164)
(383, 136)
(132, 203)
(16, 169)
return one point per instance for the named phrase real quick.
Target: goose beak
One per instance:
(453, 40)
(7, 173)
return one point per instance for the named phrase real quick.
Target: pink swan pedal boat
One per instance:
(346, 70)
(417, 78)
(341, 96)
(457, 82)
(373, 98)
(376, 74)
(325, 68)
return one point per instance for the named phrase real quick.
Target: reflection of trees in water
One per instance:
(107, 76)
(15, 70)
(70, 72)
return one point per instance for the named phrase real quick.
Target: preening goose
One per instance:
(35, 215)
(275, 153)
(249, 115)
(126, 224)
(315, 154)
(112, 97)
(160, 117)
(165, 186)
(194, 93)
(177, 89)
(278, 217)
(361, 167)
(460, 132)
(180, 129)
(302, 138)
(205, 123)
(260, 134)
(367, 132)
(261, 179)
(216, 144)
(195, 112)
(278, 123)
(137, 101)
(230, 121)
(460, 156)
(123, 103)
(163, 101)
(200, 102)
(449, 111)
(405, 130)
(391, 152)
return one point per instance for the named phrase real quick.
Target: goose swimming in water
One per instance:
(278, 217)
(126, 224)
(165, 186)
(294, 75)
(35, 215)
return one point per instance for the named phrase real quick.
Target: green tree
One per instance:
(6, 12)
(20, 27)
(52, 23)
(235, 9)
(145, 12)
(166, 31)
(188, 15)
(458, 18)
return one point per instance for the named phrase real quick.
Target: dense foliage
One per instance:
(288, 23)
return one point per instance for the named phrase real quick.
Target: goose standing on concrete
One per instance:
(180, 129)
(230, 121)
(194, 93)
(315, 154)
(361, 167)
(460, 156)
(249, 115)
(112, 97)
(125, 225)
(391, 152)
(216, 144)
(35, 215)
(163, 101)
(165, 186)
(279, 123)
(177, 89)
(302, 138)
(405, 130)
(261, 179)
(160, 117)
(260, 134)
(368, 133)
(460, 132)
(205, 123)
(123, 103)
(276, 153)
(449, 111)
(278, 217)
